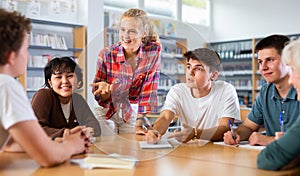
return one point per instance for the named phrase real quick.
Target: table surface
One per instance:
(194, 158)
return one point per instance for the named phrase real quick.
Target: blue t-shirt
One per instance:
(269, 104)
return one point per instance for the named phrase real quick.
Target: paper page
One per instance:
(242, 144)
(159, 145)
(105, 161)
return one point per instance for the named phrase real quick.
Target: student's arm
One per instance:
(282, 153)
(242, 133)
(101, 88)
(214, 134)
(41, 148)
(246, 129)
(85, 115)
(160, 126)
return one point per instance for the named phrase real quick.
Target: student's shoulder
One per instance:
(9, 83)
(43, 95)
(77, 97)
(6, 79)
(266, 87)
(44, 91)
(152, 46)
(223, 85)
(79, 101)
(179, 87)
(114, 48)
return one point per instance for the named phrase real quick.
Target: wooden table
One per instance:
(196, 158)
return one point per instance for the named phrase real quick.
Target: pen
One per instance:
(232, 131)
(148, 123)
(281, 122)
(150, 126)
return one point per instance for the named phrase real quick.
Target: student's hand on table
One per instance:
(278, 135)
(89, 132)
(257, 138)
(227, 137)
(78, 139)
(86, 132)
(153, 136)
(185, 135)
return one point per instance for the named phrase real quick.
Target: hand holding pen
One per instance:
(230, 137)
(143, 124)
(279, 134)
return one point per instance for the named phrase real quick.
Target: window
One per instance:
(196, 12)
(123, 4)
(191, 11)
(166, 8)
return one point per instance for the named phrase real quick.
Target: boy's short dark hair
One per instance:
(13, 30)
(209, 57)
(62, 64)
(275, 41)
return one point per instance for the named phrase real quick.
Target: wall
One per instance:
(95, 25)
(236, 19)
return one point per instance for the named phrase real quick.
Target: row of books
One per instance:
(34, 82)
(171, 67)
(236, 46)
(38, 61)
(166, 84)
(231, 55)
(54, 41)
(245, 84)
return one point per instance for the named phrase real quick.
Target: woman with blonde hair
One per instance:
(126, 79)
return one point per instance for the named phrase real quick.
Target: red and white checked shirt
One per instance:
(128, 87)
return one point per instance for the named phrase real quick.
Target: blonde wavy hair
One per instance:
(151, 35)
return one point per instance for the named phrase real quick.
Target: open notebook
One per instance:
(113, 161)
(159, 145)
(243, 144)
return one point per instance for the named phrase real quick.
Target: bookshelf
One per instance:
(172, 69)
(240, 67)
(49, 39)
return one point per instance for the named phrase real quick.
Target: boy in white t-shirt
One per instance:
(19, 128)
(204, 106)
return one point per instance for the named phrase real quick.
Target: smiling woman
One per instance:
(127, 74)
(58, 107)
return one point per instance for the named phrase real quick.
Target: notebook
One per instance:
(159, 145)
(113, 161)
(243, 144)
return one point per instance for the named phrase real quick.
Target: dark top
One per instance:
(47, 108)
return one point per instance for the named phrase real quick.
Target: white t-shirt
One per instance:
(14, 105)
(222, 101)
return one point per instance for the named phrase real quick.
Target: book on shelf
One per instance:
(48, 40)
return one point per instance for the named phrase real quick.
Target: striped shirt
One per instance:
(128, 87)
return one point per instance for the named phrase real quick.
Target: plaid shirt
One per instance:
(128, 87)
